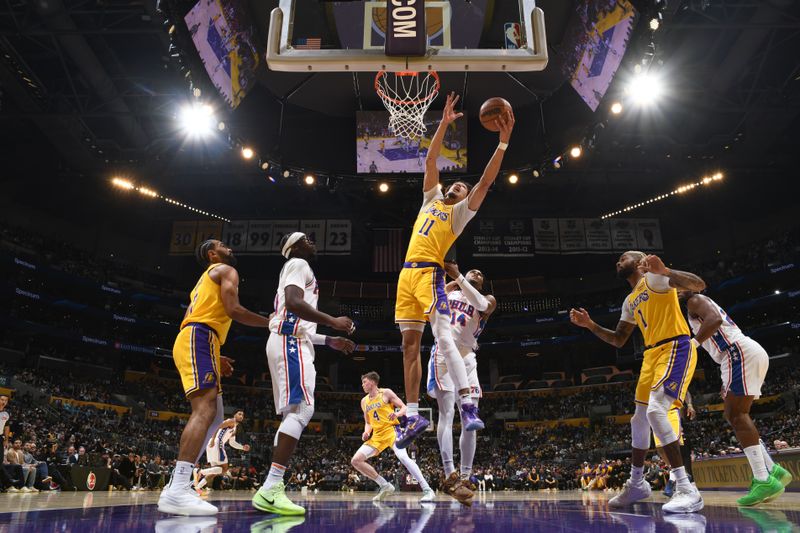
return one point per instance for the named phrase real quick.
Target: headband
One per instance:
(293, 238)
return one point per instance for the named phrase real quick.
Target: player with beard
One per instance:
(290, 355)
(213, 305)
(421, 293)
(670, 358)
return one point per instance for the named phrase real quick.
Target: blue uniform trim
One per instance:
(737, 371)
(414, 264)
(291, 349)
(288, 324)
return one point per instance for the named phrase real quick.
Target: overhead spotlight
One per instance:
(247, 152)
(513, 179)
(197, 92)
(197, 120)
(383, 187)
(557, 162)
(264, 165)
(310, 179)
(122, 183)
(575, 152)
(221, 126)
(536, 174)
(654, 23)
(286, 173)
(645, 89)
(777, 291)
(616, 108)
(717, 176)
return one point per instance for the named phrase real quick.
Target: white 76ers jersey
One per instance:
(465, 320)
(727, 335)
(222, 436)
(295, 272)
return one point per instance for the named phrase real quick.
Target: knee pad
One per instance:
(640, 428)
(296, 420)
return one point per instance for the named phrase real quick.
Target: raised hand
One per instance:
(346, 346)
(451, 267)
(654, 264)
(505, 122)
(449, 114)
(580, 317)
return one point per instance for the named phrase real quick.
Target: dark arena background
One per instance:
(133, 131)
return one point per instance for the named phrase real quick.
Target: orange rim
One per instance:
(409, 73)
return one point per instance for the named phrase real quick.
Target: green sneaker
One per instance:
(781, 474)
(761, 491)
(274, 500)
(277, 524)
(772, 521)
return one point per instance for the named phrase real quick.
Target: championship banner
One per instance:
(572, 235)
(503, 238)
(598, 235)
(623, 234)
(545, 235)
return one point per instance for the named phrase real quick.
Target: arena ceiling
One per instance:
(91, 89)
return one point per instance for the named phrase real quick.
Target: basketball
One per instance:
(492, 109)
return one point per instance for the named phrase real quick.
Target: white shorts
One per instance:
(216, 455)
(744, 368)
(439, 378)
(291, 367)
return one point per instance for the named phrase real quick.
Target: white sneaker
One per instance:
(428, 496)
(11, 490)
(385, 491)
(687, 523)
(631, 494)
(184, 502)
(185, 524)
(26, 489)
(684, 501)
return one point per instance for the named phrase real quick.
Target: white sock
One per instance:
(275, 476)
(381, 481)
(637, 474)
(681, 479)
(672, 475)
(466, 398)
(467, 444)
(412, 409)
(202, 484)
(181, 476)
(756, 459)
(768, 462)
(411, 466)
(211, 471)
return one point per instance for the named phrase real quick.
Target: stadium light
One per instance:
(654, 23)
(286, 173)
(247, 152)
(122, 183)
(616, 108)
(310, 179)
(197, 120)
(645, 89)
(383, 187)
(513, 179)
(575, 152)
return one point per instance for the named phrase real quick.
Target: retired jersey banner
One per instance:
(512, 237)
(598, 235)
(572, 235)
(545, 235)
(648, 234)
(623, 234)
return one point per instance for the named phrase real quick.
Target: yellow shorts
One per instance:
(674, 417)
(382, 439)
(196, 356)
(419, 291)
(670, 366)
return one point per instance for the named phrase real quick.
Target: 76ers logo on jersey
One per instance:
(91, 481)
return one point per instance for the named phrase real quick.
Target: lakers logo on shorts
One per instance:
(209, 377)
(443, 305)
(672, 386)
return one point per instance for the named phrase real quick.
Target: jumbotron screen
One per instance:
(380, 152)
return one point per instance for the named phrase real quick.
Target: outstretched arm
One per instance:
(431, 179)
(229, 291)
(710, 320)
(478, 193)
(618, 337)
(678, 279)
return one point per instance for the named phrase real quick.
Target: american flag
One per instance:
(308, 43)
(387, 253)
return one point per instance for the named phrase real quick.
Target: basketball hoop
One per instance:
(407, 96)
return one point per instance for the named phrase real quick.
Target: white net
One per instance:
(407, 96)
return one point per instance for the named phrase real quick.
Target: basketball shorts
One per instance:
(291, 367)
(380, 440)
(196, 356)
(420, 290)
(674, 417)
(671, 366)
(216, 455)
(744, 368)
(439, 378)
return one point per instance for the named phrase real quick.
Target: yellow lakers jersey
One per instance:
(378, 412)
(205, 306)
(432, 235)
(658, 314)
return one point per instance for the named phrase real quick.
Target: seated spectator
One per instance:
(16, 456)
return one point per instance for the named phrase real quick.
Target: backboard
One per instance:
(462, 35)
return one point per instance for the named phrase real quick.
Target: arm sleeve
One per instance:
(657, 282)
(317, 339)
(235, 444)
(296, 273)
(429, 196)
(626, 315)
(473, 296)
(462, 214)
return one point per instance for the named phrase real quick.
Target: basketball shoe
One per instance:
(184, 501)
(631, 493)
(684, 501)
(469, 417)
(762, 491)
(274, 500)
(414, 425)
(384, 491)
